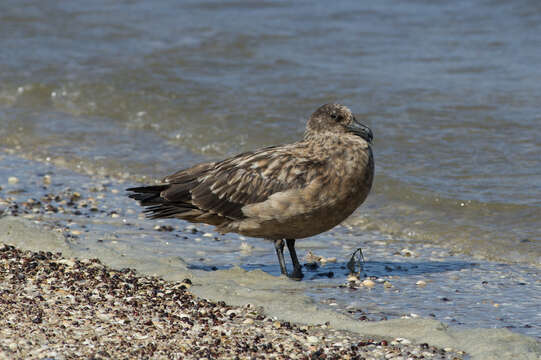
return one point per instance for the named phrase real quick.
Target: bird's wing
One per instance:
(226, 187)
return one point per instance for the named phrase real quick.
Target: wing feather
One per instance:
(217, 191)
(224, 188)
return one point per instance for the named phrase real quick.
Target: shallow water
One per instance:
(450, 90)
(104, 223)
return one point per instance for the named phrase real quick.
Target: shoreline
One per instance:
(60, 307)
(53, 209)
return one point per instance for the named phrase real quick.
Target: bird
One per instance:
(279, 193)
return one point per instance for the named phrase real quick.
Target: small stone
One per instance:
(115, 215)
(406, 252)
(387, 284)
(67, 262)
(13, 180)
(163, 228)
(421, 283)
(312, 339)
(277, 324)
(47, 179)
(368, 283)
(245, 247)
(403, 341)
(248, 321)
(311, 257)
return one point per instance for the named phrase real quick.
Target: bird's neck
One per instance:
(333, 142)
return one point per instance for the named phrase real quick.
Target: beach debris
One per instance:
(311, 258)
(356, 261)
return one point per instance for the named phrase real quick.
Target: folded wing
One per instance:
(216, 192)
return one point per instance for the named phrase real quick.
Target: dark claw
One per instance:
(297, 268)
(296, 274)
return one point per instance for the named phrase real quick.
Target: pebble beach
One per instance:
(54, 307)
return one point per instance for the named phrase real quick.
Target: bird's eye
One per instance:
(336, 117)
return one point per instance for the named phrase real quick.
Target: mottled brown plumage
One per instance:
(280, 192)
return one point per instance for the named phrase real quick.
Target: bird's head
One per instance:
(336, 119)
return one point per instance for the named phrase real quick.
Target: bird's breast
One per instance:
(330, 195)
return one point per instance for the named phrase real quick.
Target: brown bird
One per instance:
(278, 193)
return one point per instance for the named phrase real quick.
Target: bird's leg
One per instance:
(279, 246)
(297, 269)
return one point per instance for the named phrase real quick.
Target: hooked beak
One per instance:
(361, 130)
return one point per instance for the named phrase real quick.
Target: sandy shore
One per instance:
(62, 308)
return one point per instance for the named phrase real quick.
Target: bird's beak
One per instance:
(361, 130)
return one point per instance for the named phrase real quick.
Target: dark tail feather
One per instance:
(165, 211)
(158, 207)
(148, 195)
(149, 189)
